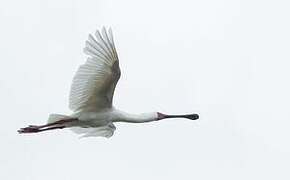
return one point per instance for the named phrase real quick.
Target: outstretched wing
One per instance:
(95, 81)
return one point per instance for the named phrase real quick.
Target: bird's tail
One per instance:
(56, 117)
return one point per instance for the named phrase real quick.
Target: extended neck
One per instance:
(154, 116)
(138, 118)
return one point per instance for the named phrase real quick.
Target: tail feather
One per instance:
(57, 117)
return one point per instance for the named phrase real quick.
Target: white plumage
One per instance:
(94, 83)
(98, 77)
(92, 91)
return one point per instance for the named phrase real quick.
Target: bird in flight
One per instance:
(91, 94)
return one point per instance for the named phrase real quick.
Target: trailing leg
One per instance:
(50, 126)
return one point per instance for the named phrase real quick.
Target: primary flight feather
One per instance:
(95, 81)
(92, 91)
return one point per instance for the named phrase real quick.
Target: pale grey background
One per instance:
(228, 60)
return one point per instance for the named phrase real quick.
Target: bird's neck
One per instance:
(121, 116)
(138, 118)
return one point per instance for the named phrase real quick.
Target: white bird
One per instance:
(91, 94)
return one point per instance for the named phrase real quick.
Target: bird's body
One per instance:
(90, 122)
(92, 93)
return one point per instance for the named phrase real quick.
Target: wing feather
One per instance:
(104, 131)
(95, 81)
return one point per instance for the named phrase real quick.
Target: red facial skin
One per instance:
(160, 115)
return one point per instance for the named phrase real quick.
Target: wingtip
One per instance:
(104, 29)
(97, 33)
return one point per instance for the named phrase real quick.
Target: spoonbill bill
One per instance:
(91, 94)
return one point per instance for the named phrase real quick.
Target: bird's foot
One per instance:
(50, 126)
(30, 129)
(35, 129)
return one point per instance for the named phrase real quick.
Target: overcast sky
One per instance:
(227, 60)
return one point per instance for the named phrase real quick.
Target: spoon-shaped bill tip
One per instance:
(192, 116)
